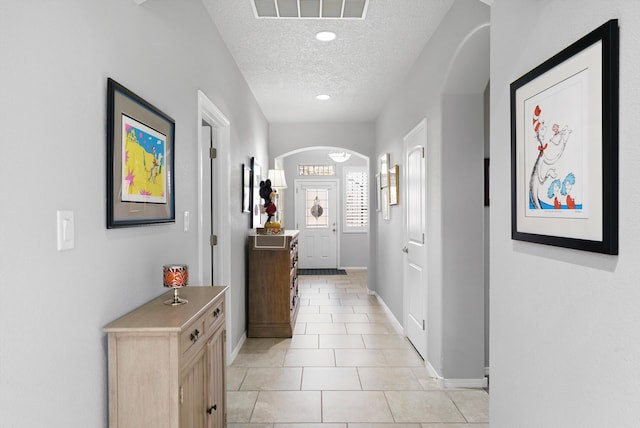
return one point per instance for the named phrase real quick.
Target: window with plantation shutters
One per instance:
(356, 204)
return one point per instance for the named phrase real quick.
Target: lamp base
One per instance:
(176, 299)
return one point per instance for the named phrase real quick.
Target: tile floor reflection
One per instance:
(346, 366)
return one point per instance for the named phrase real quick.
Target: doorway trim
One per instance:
(220, 125)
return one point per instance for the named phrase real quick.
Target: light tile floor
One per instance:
(346, 366)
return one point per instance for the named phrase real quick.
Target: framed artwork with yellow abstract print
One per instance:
(140, 147)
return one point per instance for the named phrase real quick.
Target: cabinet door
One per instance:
(193, 390)
(216, 406)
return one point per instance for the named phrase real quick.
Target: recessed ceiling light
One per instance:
(323, 97)
(325, 36)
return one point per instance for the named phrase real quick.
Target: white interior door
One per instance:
(316, 219)
(415, 258)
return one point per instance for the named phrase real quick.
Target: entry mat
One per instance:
(322, 272)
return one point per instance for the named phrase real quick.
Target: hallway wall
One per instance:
(455, 346)
(565, 342)
(56, 57)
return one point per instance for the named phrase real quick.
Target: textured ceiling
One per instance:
(286, 67)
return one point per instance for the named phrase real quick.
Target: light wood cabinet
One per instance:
(273, 284)
(167, 363)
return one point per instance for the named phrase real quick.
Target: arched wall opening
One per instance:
(350, 245)
(463, 211)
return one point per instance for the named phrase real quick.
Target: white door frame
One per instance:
(297, 221)
(420, 127)
(209, 113)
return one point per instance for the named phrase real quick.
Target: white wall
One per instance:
(56, 57)
(565, 336)
(446, 66)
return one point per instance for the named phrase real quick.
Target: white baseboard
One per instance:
(398, 325)
(455, 383)
(466, 383)
(236, 350)
(434, 374)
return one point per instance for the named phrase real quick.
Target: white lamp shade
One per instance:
(277, 179)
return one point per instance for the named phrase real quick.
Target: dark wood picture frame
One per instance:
(136, 209)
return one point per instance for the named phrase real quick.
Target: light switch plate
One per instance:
(66, 232)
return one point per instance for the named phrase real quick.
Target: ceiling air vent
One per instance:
(310, 9)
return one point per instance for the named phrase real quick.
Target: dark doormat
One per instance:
(322, 272)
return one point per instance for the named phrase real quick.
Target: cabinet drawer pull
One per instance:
(195, 335)
(216, 313)
(212, 408)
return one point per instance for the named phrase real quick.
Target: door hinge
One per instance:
(213, 153)
(181, 395)
(422, 152)
(423, 238)
(213, 240)
(423, 325)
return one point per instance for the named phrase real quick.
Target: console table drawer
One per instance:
(192, 336)
(215, 316)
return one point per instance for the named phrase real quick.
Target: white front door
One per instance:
(316, 219)
(415, 257)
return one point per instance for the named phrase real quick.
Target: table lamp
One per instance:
(175, 276)
(278, 182)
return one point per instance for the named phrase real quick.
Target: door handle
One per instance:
(405, 250)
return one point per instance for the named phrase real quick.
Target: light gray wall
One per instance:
(56, 57)
(462, 207)
(565, 342)
(452, 63)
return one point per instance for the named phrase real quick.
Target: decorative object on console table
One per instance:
(167, 363)
(175, 276)
(564, 147)
(140, 148)
(273, 284)
(278, 183)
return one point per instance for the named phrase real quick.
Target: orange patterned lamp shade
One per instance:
(175, 276)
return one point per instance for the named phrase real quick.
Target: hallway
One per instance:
(346, 366)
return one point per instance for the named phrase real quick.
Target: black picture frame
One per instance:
(140, 192)
(254, 197)
(559, 156)
(486, 182)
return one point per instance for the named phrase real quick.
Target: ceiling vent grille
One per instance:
(310, 9)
